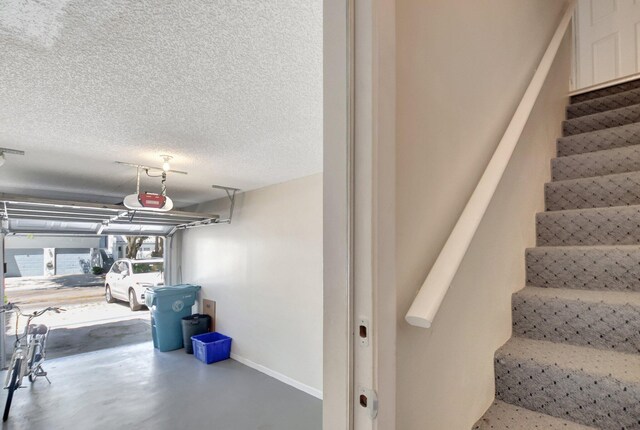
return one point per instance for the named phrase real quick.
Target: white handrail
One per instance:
(435, 287)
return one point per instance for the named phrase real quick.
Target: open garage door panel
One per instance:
(22, 214)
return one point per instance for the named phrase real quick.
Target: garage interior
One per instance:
(217, 108)
(84, 226)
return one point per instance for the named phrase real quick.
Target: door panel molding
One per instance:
(607, 41)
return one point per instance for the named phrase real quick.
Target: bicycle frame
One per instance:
(30, 348)
(28, 353)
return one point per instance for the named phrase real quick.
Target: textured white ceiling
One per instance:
(231, 89)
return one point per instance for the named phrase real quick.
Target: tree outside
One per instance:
(134, 243)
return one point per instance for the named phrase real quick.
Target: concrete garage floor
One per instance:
(77, 340)
(88, 327)
(137, 387)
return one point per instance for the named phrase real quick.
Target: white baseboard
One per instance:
(279, 376)
(610, 83)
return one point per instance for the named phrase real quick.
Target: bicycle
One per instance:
(28, 352)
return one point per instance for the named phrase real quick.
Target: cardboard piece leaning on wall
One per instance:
(209, 308)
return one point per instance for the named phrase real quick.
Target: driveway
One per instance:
(88, 324)
(39, 292)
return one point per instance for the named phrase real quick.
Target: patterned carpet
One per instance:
(574, 359)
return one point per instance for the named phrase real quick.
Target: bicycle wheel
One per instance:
(13, 385)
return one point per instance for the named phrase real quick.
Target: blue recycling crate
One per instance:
(211, 347)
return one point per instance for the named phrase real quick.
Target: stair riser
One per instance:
(603, 104)
(605, 226)
(505, 416)
(614, 269)
(604, 191)
(627, 86)
(620, 160)
(600, 121)
(598, 325)
(617, 137)
(597, 401)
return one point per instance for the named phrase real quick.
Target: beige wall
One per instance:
(462, 67)
(264, 270)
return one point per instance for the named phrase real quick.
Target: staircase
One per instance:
(574, 359)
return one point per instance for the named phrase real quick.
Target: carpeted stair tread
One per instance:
(584, 385)
(599, 163)
(616, 225)
(615, 137)
(619, 189)
(608, 320)
(601, 120)
(611, 268)
(607, 91)
(574, 358)
(605, 103)
(503, 416)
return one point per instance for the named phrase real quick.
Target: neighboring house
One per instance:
(117, 246)
(47, 255)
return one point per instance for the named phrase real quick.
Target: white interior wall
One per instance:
(264, 270)
(462, 68)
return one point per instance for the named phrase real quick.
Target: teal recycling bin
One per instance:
(168, 306)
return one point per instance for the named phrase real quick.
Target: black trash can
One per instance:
(194, 325)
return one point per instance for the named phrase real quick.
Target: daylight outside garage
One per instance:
(70, 255)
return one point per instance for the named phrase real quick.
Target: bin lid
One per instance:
(170, 290)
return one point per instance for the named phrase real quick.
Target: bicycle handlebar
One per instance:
(10, 307)
(43, 311)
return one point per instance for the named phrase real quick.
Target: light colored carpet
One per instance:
(574, 359)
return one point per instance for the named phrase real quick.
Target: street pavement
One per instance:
(57, 281)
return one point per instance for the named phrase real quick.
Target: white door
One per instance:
(607, 40)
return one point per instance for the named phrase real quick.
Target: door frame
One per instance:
(3, 321)
(359, 213)
(338, 398)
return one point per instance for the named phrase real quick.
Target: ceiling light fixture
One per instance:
(4, 151)
(166, 166)
(152, 168)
